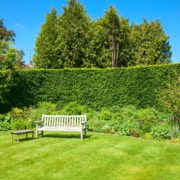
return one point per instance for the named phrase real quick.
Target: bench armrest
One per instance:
(38, 122)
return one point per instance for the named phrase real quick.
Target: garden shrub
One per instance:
(19, 124)
(21, 118)
(35, 113)
(127, 128)
(161, 132)
(74, 108)
(146, 118)
(16, 113)
(5, 122)
(128, 120)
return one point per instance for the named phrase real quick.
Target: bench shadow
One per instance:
(64, 136)
(24, 139)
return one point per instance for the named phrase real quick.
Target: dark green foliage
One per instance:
(94, 88)
(5, 86)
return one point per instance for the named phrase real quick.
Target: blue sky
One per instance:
(25, 17)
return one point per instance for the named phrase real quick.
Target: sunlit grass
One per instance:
(100, 156)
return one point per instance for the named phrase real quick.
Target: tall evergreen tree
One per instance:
(73, 35)
(111, 39)
(111, 24)
(149, 44)
(46, 55)
(74, 40)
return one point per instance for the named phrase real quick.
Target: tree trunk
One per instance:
(113, 53)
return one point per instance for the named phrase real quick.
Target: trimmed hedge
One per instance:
(96, 88)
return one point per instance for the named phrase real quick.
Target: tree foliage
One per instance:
(10, 58)
(149, 44)
(73, 35)
(73, 39)
(46, 54)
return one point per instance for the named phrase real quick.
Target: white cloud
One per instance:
(20, 26)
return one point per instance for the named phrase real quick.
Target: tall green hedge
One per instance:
(96, 88)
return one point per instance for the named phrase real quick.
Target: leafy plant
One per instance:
(161, 131)
(74, 108)
(146, 118)
(127, 128)
(19, 124)
(5, 122)
(170, 98)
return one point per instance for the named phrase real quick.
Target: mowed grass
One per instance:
(100, 156)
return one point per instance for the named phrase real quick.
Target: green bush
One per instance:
(127, 128)
(19, 124)
(161, 131)
(35, 113)
(5, 122)
(74, 108)
(95, 88)
(146, 119)
(21, 118)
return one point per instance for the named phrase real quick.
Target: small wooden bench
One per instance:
(19, 132)
(62, 123)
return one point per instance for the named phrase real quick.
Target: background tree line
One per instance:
(73, 39)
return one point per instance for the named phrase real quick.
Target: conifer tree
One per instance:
(111, 39)
(149, 44)
(73, 35)
(46, 55)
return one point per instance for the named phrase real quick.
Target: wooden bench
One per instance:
(62, 123)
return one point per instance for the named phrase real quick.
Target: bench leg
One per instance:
(42, 133)
(18, 137)
(85, 132)
(82, 134)
(36, 133)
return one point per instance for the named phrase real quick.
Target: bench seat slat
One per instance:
(59, 129)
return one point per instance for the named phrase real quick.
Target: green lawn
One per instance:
(101, 156)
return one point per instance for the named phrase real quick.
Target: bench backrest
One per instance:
(63, 120)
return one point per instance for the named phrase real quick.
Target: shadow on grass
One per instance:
(64, 136)
(23, 139)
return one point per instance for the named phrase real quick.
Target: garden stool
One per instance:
(19, 132)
